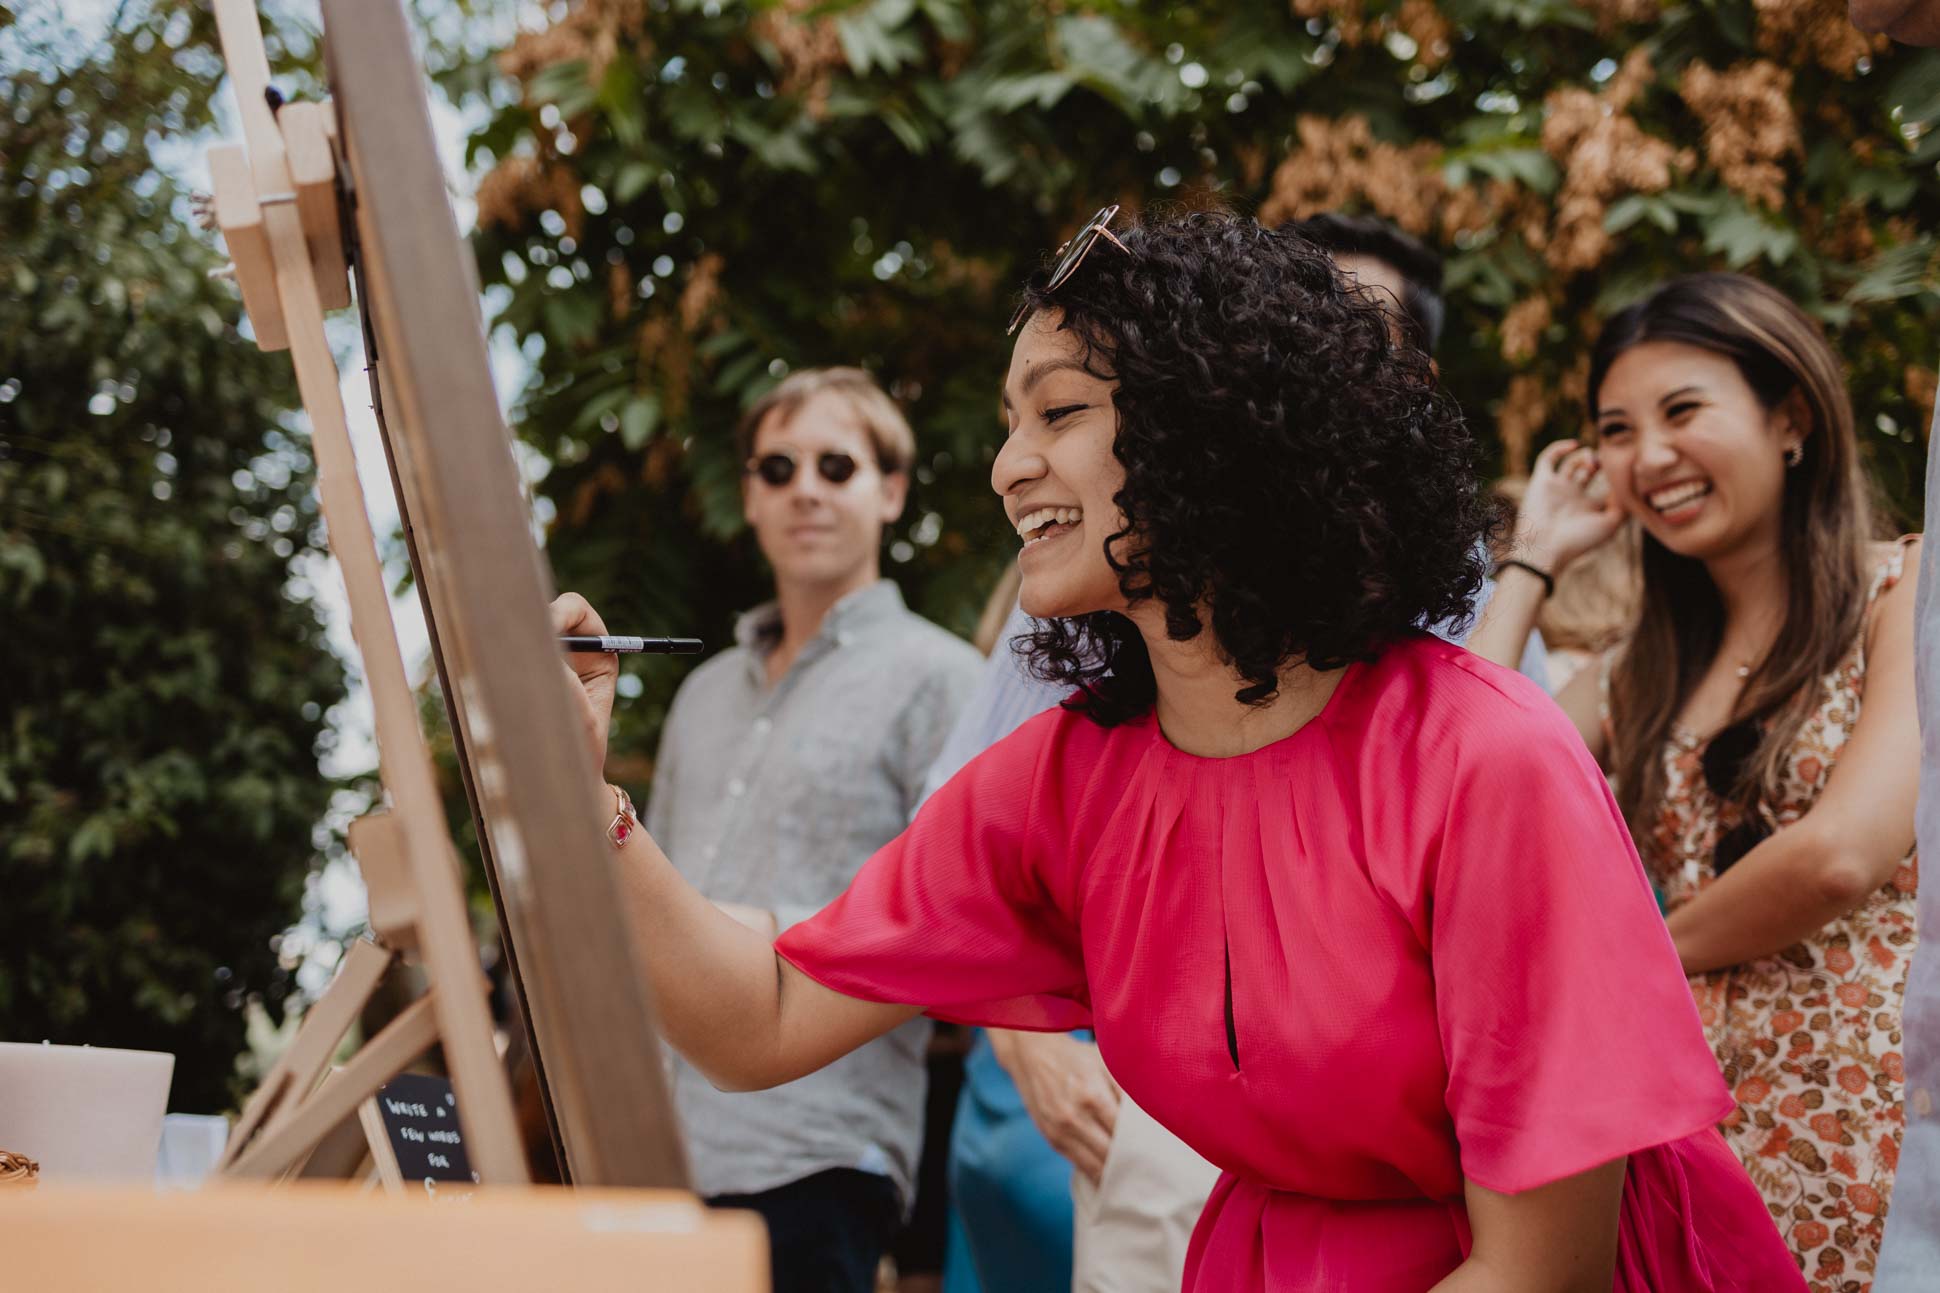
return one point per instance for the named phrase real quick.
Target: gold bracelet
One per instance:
(624, 822)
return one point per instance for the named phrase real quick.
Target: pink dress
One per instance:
(1408, 944)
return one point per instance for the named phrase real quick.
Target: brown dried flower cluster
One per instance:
(521, 185)
(1611, 14)
(592, 31)
(1418, 20)
(1845, 233)
(1529, 405)
(1335, 163)
(951, 270)
(1346, 16)
(1921, 386)
(619, 289)
(667, 351)
(1573, 387)
(1522, 328)
(1432, 33)
(1794, 31)
(1748, 125)
(1474, 208)
(1604, 154)
(702, 295)
(1524, 410)
(810, 49)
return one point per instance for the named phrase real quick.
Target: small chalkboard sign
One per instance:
(412, 1125)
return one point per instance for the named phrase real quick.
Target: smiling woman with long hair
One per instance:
(1350, 910)
(1759, 726)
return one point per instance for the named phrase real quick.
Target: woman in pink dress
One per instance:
(1350, 910)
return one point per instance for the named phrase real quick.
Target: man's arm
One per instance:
(1066, 1089)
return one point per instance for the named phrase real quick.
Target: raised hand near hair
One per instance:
(1067, 1091)
(593, 674)
(1563, 513)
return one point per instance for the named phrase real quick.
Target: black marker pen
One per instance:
(624, 645)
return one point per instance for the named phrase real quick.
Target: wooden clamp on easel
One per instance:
(282, 203)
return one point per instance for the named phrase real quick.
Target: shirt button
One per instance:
(1922, 1102)
(737, 787)
(763, 725)
(712, 849)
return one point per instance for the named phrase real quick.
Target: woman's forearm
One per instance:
(738, 1012)
(714, 979)
(1506, 622)
(1786, 889)
(1555, 1238)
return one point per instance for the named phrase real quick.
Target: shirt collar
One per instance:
(759, 629)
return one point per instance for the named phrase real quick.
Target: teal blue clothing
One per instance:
(1010, 1192)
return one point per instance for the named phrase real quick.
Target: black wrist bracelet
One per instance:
(1549, 580)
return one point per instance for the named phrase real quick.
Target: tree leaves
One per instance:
(166, 684)
(872, 179)
(638, 421)
(1744, 235)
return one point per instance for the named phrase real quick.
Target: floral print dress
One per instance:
(1809, 1039)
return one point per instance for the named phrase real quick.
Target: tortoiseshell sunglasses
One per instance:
(1070, 256)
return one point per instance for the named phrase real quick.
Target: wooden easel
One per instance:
(281, 204)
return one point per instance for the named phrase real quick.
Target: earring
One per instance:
(1795, 455)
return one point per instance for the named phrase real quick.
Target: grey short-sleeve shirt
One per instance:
(774, 798)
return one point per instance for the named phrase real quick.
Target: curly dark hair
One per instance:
(1288, 465)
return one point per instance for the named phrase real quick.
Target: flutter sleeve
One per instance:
(1569, 1031)
(955, 915)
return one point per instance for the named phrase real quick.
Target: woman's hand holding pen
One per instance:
(593, 674)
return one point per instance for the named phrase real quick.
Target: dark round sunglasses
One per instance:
(1071, 255)
(779, 468)
(1723, 764)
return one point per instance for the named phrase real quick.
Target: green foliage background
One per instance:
(690, 198)
(163, 682)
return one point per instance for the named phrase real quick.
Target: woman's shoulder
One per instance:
(1435, 715)
(1891, 560)
(1061, 740)
(1423, 685)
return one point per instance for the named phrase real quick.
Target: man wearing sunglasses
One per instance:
(788, 760)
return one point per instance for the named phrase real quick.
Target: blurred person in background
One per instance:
(786, 761)
(1758, 723)
(1404, 274)
(1911, 1252)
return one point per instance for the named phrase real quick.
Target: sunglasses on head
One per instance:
(1723, 764)
(779, 468)
(1070, 255)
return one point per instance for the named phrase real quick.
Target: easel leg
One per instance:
(324, 1026)
(408, 1036)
